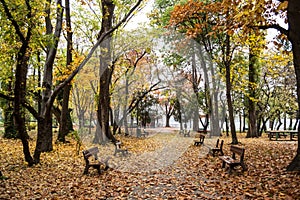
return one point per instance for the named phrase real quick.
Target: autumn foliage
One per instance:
(195, 175)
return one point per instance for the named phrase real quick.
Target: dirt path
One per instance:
(173, 145)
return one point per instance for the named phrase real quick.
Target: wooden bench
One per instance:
(95, 163)
(139, 133)
(146, 133)
(120, 149)
(277, 134)
(218, 149)
(187, 133)
(199, 139)
(232, 161)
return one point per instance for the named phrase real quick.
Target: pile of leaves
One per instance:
(192, 176)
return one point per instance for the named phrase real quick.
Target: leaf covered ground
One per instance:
(164, 165)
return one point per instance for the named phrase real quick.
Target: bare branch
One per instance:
(26, 105)
(91, 52)
(274, 26)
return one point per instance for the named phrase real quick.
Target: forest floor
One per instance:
(164, 165)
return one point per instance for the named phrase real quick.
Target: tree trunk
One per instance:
(45, 136)
(64, 123)
(106, 70)
(215, 122)
(252, 129)
(19, 99)
(226, 125)
(228, 90)
(294, 37)
(211, 96)
(125, 122)
(196, 119)
(44, 139)
(167, 119)
(279, 121)
(21, 71)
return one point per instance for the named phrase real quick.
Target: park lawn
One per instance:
(192, 176)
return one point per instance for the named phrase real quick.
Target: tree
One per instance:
(167, 101)
(129, 66)
(45, 136)
(105, 71)
(65, 124)
(263, 13)
(293, 16)
(207, 24)
(43, 116)
(255, 47)
(22, 62)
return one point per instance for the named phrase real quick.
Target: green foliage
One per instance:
(173, 59)
(162, 10)
(76, 137)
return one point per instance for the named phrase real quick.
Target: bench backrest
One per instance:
(217, 145)
(90, 152)
(237, 150)
(221, 144)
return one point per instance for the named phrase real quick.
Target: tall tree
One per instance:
(65, 124)
(44, 138)
(45, 135)
(255, 48)
(105, 72)
(263, 13)
(293, 15)
(207, 23)
(22, 62)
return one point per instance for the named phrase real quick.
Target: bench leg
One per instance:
(86, 169)
(244, 167)
(221, 152)
(231, 167)
(98, 169)
(223, 164)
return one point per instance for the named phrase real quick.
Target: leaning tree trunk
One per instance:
(294, 37)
